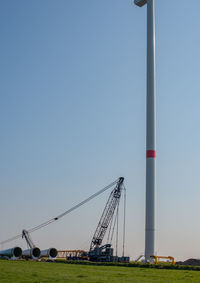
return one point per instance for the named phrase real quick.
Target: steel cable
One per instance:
(124, 224)
(62, 214)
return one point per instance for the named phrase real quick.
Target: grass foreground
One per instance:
(36, 272)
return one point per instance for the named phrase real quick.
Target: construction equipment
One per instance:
(52, 220)
(156, 258)
(97, 252)
(105, 252)
(73, 254)
(35, 252)
(102, 253)
(15, 253)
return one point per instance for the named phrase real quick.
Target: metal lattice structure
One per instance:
(26, 235)
(107, 215)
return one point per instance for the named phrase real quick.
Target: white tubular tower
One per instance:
(150, 226)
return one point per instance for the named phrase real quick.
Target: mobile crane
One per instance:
(97, 252)
(105, 252)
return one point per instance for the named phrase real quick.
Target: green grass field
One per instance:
(35, 272)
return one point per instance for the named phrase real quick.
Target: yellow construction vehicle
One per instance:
(156, 258)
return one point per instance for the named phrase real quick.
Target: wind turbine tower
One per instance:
(150, 227)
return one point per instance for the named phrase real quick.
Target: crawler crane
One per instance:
(99, 252)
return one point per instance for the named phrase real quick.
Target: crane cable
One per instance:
(124, 224)
(117, 229)
(62, 214)
(115, 220)
(110, 235)
(109, 232)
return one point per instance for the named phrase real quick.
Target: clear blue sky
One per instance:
(73, 93)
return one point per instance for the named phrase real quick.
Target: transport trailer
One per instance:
(72, 254)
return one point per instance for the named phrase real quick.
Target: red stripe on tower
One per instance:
(151, 154)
